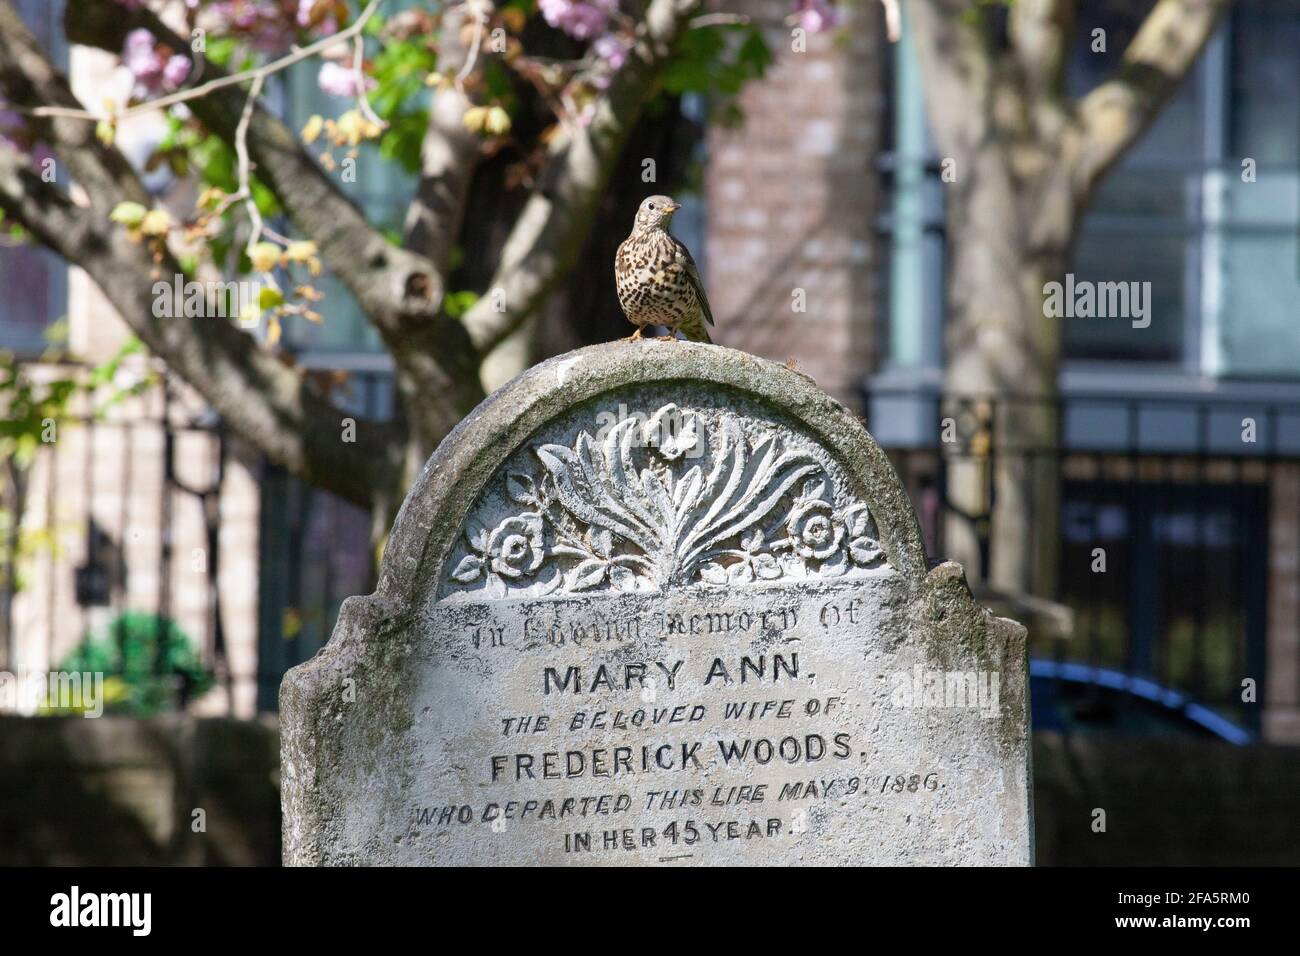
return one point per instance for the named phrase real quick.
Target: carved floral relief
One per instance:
(646, 506)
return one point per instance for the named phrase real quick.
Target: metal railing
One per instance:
(1166, 524)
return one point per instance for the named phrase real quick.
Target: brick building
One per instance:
(791, 197)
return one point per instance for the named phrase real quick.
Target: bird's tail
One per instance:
(696, 332)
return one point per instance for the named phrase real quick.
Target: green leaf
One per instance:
(220, 50)
(456, 304)
(129, 214)
(269, 297)
(718, 60)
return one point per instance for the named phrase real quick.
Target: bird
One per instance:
(658, 281)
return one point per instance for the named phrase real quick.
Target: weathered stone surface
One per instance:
(659, 603)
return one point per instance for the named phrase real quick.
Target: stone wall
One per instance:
(120, 791)
(76, 791)
(1168, 802)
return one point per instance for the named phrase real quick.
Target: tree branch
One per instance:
(220, 82)
(262, 399)
(448, 157)
(398, 289)
(1116, 113)
(958, 71)
(1040, 33)
(548, 235)
(385, 280)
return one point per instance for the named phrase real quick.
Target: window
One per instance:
(1141, 222)
(1255, 312)
(1206, 207)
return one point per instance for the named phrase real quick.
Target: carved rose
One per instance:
(515, 547)
(814, 530)
(511, 550)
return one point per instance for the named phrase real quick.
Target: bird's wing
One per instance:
(693, 276)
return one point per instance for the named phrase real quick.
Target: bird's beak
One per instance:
(674, 206)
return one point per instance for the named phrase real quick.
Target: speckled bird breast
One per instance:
(653, 286)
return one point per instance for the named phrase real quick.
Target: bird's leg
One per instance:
(636, 335)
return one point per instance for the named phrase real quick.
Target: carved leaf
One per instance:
(714, 573)
(520, 487)
(766, 479)
(587, 575)
(602, 542)
(793, 565)
(766, 567)
(661, 501)
(687, 492)
(622, 579)
(477, 534)
(468, 570)
(549, 580)
(622, 516)
(836, 565)
(740, 573)
(813, 489)
(590, 504)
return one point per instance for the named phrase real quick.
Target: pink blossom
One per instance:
(611, 49)
(326, 27)
(140, 56)
(580, 20)
(816, 16)
(177, 71)
(144, 61)
(338, 80)
(269, 26)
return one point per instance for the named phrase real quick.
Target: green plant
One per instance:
(148, 662)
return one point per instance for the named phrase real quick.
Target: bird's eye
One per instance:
(651, 206)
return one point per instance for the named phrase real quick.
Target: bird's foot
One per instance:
(635, 335)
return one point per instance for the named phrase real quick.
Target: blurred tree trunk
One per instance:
(1020, 161)
(1005, 355)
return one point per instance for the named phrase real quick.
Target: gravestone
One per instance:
(659, 603)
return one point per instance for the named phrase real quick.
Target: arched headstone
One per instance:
(658, 602)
